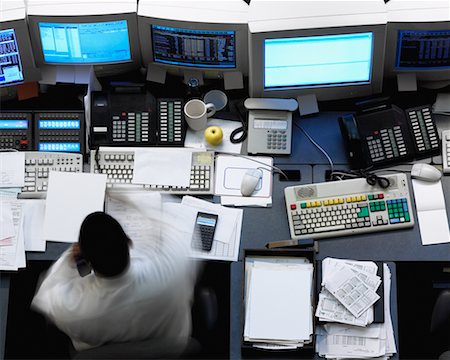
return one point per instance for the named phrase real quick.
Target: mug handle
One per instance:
(210, 109)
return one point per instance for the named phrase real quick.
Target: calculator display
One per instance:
(59, 124)
(52, 146)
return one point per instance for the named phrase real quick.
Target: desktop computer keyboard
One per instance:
(346, 207)
(39, 164)
(118, 164)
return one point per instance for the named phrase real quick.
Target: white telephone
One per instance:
(270, 125)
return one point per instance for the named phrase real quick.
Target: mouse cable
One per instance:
(317, 146)
(371, 178)
(9, 150)
(272, 167)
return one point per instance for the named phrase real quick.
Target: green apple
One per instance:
(213, 135)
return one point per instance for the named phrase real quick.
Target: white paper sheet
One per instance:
(228, 230)
(70, 198)
(279, 304)
(431, 212)
(10, 258)
(33, 214)
(196, 139)
(12, 169)
(161, 167)
(6, 221)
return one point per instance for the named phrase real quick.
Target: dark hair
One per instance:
(104, 244)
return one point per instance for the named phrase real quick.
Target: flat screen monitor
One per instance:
(108, 42)
(16, 58)
(178, 46)
(419, 48)
(332, 63)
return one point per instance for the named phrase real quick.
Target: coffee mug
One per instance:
(197, 113)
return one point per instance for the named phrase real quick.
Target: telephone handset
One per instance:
(386, 134)
(131, 116)
(270, 125)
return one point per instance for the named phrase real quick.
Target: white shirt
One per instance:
(151, 299)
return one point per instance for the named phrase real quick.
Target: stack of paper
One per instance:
(336, 341)
(12, 249)
(348, 291)
(278, 302)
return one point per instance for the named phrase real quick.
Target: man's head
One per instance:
(104, 244)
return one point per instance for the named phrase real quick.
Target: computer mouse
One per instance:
(425, 172)
(249, 181)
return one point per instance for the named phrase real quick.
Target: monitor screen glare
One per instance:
(10, 63)
(423, 49)
(199, 48)
(326, 60)
(85, 43)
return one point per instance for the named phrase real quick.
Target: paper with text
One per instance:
(12, 169)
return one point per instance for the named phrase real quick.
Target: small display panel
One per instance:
(200, 48)
(325, 60)
(59, 124)
(13, 124)
(11, 70)
(423, 49)
(63, 146)
(85, 43)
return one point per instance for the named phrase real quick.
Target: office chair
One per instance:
(204, 319)
(440, 322)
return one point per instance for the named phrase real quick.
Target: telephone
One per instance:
(383, 134)
(128, 115)
(270, 125)
(43, 131)
(16, 130)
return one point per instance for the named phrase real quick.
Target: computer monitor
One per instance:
(16, 57)
(101, 34)
(333, 51)
(418, 41)
(207, 37)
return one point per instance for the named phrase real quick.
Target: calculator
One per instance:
(203, 236)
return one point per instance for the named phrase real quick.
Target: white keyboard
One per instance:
(346, 207)
(118, 164)
(39, 164)
(446, 151)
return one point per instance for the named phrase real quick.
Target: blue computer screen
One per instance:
(13, 124)
(200, 48)
(423, 49)
(63, 146)
(325, 60)
(85, 43)
(10, 63)
(59, 124)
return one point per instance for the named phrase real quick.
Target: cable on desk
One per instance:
(243, 130)
(273, 167)
(317, 146)
(371, 178)
(9, 150)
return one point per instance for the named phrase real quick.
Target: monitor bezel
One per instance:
(101, 69)
(30, 71)
(241, 40)
(322, 92)
(430, 74)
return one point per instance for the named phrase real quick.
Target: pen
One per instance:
(284, 243)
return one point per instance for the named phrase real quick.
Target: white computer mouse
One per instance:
(250, 180)
(425, 172)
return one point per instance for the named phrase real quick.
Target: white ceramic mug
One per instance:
(197, 113)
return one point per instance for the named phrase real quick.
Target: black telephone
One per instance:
(383, 134)
(128, 115)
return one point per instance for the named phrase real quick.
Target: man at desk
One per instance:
(136, 291)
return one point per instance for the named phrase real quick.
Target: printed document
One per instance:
(12, 169)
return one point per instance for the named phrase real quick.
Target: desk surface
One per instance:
(261, 225)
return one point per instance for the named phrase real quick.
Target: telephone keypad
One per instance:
(277, 139)
(171, 121)
(423, 129)
(131, 127)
